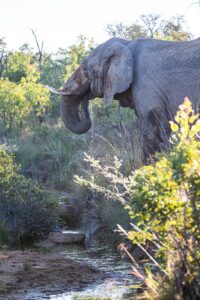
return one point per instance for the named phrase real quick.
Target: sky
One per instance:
(59, 22)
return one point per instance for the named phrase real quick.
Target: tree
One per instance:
(19, 102)
(3, 56)
(151, 26)
(76, 54)
(120, 30)
(53, 73)
(26, 48)
(20, 65)
(173, 29)
(3, 61)
(40, 56)
(136, 31)
(151, 23)
(2, 43)
(21, 95)
(54, 69)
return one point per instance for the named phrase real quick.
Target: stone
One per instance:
(44, 244)
(67, 237)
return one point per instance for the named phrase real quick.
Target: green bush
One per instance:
(25, 210)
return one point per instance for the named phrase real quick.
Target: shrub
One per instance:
(25, 210)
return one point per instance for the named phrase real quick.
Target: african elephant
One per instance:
(150, 76)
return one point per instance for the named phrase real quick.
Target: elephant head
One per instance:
(108, 73)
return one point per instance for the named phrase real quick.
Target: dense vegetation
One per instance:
(39, 157)
(26, 211)
(163, 200)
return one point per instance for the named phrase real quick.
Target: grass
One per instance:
(50, 155)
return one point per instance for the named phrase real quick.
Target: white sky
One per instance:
(59, 22)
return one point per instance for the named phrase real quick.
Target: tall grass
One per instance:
(50, 155)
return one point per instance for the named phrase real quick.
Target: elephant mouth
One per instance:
(75, 112)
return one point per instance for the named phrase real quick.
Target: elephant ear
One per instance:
(119, 75)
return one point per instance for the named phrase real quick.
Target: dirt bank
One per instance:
(21, 271)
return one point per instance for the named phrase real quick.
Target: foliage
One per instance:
(120, 30)
(20, 65)
(164, 202)
(20, 102)
(76, 54)
(53, 70)
(173, 29)
(25, 209)
(47, 152)
(22, 97)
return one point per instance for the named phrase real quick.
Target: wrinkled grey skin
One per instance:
(153, 77)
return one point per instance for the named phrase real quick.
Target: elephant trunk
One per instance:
(75, 115)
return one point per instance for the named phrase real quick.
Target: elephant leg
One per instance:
(148, 141)
(161, 128)
(155, 131)
(153, 119)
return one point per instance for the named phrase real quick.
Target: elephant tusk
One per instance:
(57, 92)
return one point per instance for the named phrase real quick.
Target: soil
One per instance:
(21, 271)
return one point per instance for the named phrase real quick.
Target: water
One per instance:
(116, 284)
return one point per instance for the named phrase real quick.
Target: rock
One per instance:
(68, 213)
(45, 244)
(66, 237)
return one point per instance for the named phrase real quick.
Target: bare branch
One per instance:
(40, 49)
(3, 61)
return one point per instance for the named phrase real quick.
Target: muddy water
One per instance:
(116, 285)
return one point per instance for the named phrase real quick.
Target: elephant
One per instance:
(150, 76)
